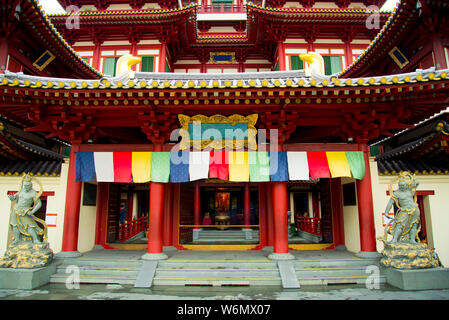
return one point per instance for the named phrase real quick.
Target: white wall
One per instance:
(435, 206)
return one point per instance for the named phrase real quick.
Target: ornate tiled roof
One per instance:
(149, 80)
(34, 19)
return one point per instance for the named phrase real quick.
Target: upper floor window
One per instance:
(147, 64)
(296, 63)
(109, 66)
(332, 64)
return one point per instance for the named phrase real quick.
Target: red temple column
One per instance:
(280, 220)
(280, 223)
(162, 57)
(366, 211)
(72, 210)
(263, 214)
(96, 55)
(281, 56)
(156, 215)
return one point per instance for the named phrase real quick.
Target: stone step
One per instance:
(332, 271)
(62, 278)
(94, 270)
(216, 264)
(334, 280)
(318, 263)
(217, 281)
(116, 263)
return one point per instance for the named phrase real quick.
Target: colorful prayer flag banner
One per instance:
(237, 166)
(141, 167)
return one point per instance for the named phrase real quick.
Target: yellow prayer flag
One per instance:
(238, 166)
(141, 166)
(338, 164)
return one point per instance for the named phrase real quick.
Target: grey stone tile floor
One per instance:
(128, 292)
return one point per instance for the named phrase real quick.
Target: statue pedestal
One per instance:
(417, 279)
(26, 279)
(403, 255)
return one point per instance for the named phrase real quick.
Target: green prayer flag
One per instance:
(160, 166)
(356, 163)
(259, 166)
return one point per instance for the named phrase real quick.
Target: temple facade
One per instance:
(224, 125)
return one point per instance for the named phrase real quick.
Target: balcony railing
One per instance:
(310, 225)
(130, 229)
(222, 8)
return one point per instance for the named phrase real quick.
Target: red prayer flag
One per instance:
(318, 165)
(219, 165)
(122, 166)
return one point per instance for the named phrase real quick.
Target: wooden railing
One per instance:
(310, 225)
(222, 8)
(130, 229)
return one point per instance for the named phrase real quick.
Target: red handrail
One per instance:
(130, 229)
(222, 8)
(310, 225)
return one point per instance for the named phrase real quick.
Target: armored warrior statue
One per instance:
(406, 223)
(25, 204)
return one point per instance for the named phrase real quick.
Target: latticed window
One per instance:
(109, 66)
(147, 64)
(332, 64)
(296, 63)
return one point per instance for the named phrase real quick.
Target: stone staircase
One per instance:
(217, 273)
(103, 270)
(225, 236)
(216, 270)
(336, 271)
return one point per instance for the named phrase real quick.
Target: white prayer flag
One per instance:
(298, 167)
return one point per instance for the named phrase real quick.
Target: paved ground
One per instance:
(127, 292)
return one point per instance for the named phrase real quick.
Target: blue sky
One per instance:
(52, 6)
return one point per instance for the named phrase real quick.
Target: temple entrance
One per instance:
(310, 212)
(221, 215)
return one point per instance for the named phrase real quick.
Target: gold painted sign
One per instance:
(218, 131)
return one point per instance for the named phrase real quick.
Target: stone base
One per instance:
(28, 255)
(26, 279)
(154, 256)
(408, 256)
(417, 279)
(68, 254)
(281, 256)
